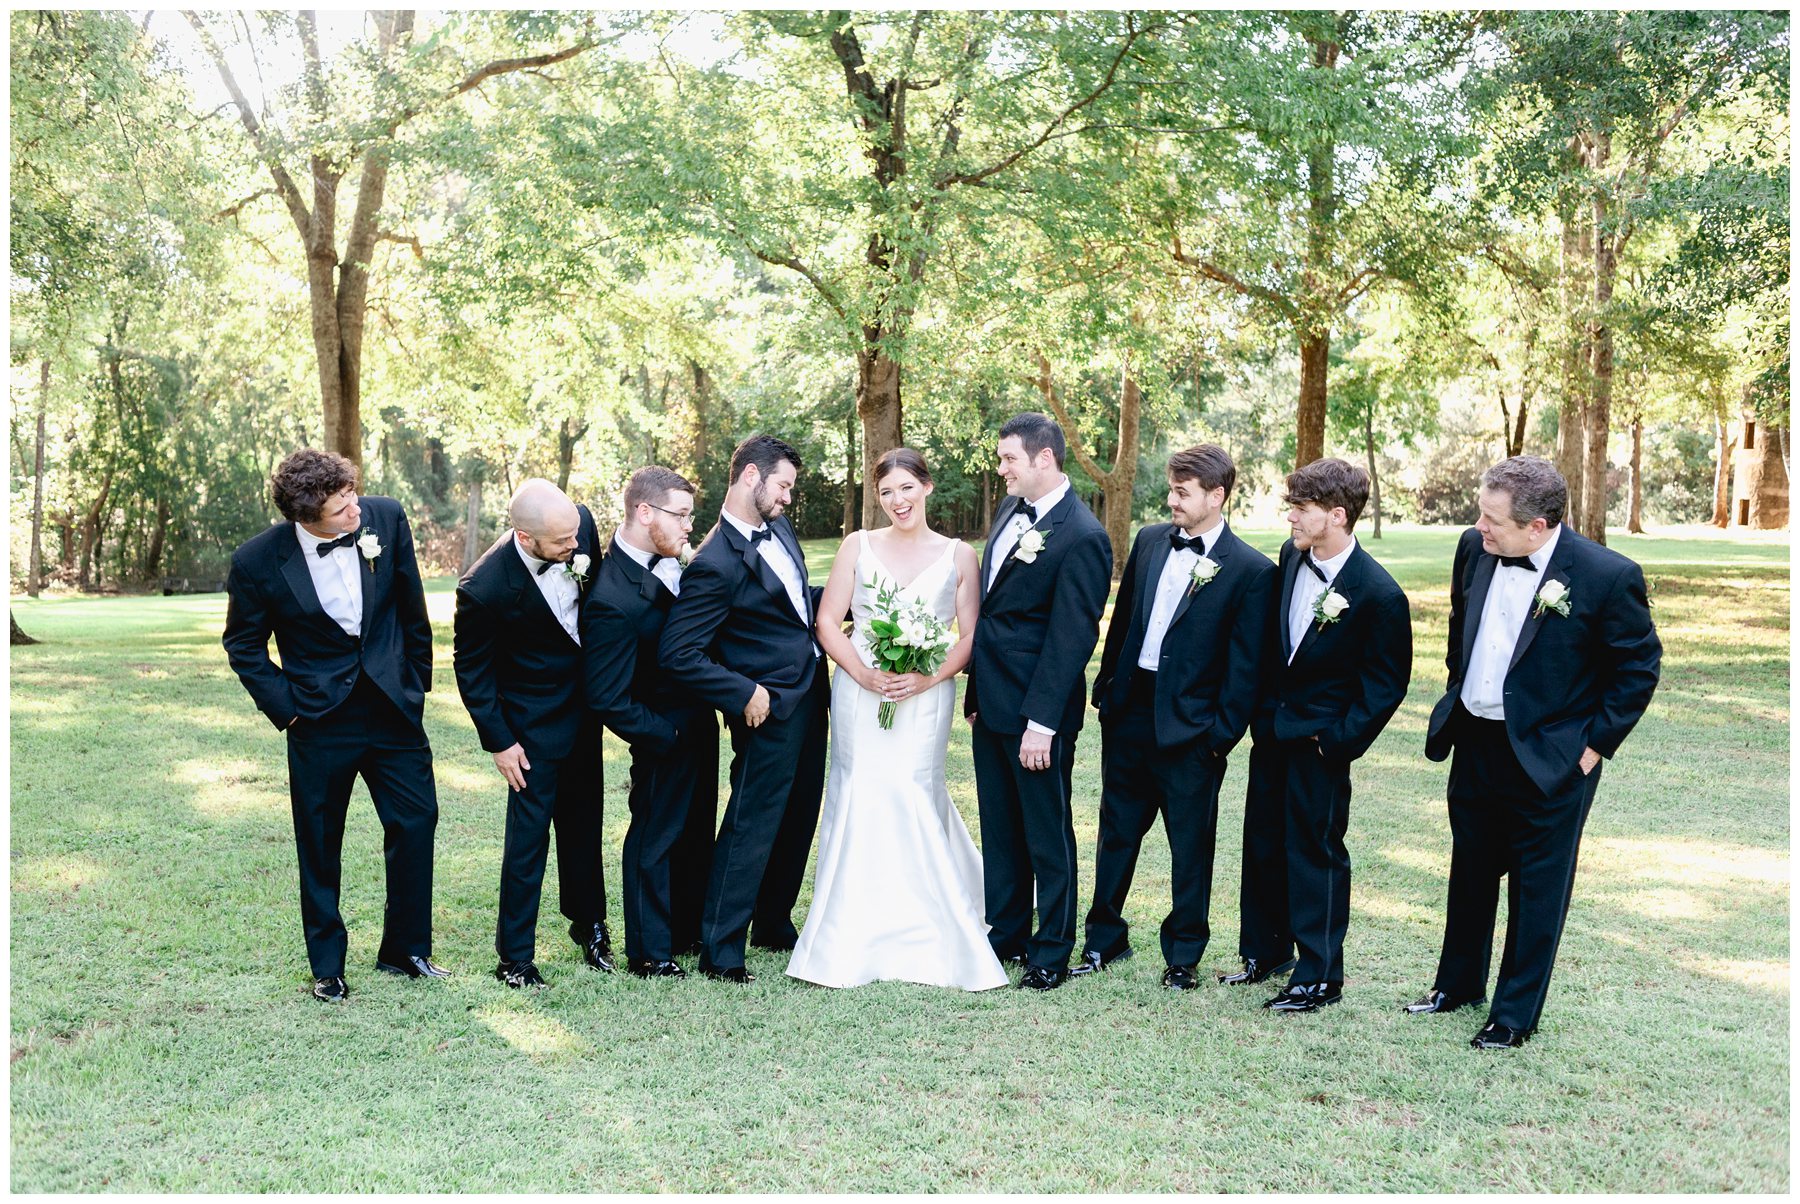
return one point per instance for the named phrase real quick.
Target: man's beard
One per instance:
(760, 499)
(670, 545)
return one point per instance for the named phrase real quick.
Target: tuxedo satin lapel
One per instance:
(987, 550)
(1537, 616)
(531, 598)
(1047, 524)
(1481, 578)
(371, 581)
(1150, 572)
(1287, 603)
(299, 579)
(636, 575)
(767, 577)
(1221, 549)
(784, 531)
(1348, 584)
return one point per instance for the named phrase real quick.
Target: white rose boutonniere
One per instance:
(685, 557)
(1205, 569)
(1552, 595)
(1030, 544)
(1330, 607)
(369, 544)
(578, 567)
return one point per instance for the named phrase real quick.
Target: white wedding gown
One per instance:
(897, 893)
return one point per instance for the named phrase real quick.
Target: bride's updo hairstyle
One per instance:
(903, 459)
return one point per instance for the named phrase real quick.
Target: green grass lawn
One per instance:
(163, 1040)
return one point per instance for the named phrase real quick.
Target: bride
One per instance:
(897, 893)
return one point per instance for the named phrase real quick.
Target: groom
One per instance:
(1045, 573)
(740, 637)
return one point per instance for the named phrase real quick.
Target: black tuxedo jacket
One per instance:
(733, 627)
(1349, 677)
(622, 622)
(1039, 622)
(270, 591)
(1212, 651)
(518, 671)
(1576, 682)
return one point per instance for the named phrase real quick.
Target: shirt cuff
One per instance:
(1031, 726)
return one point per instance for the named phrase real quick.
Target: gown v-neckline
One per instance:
(869, 547)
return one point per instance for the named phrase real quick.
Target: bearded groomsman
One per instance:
(339, 589)
(519, 669)
(1552, 658)
(1342, 649)
(1045, 572)
(740, 638)
(1176, 686)
(674, 737)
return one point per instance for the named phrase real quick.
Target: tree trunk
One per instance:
(1309, 444)
(568, 434)
(850, 472)
(1725, 447)
(1634, 522)
(1571, 416)
(987, 502)
(35, 583)
(1118, 482)
(1515, 441)
(1599, 415)
(703, 397)
(1769, 492)
(18, 637)
(153, 554)
(878, 405)
(472, 528)
(1374, 477)
(91, 525)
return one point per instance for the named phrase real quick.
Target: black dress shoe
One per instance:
(1093, 963)
(414, 967)
(1042, 978)
(645, 967)
(520, 974)
(1255, 971)
(330, 990)
(1306, 997)
(1013, 959)
(1434, 1001)
(596, 944)
(735, 974)
(1180, 978)
(1499, 1036)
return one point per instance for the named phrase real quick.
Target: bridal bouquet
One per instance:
(905, 638)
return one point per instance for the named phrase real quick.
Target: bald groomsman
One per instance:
(1553, 658)
(519, 668)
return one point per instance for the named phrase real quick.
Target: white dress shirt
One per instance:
(336, 578)
(561, 591)
(1008, 539)
(1502, 619)
(1177, 575)
(667, 570)
(1307, 591)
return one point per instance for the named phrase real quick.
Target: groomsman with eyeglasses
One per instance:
(1553, 658)
(1340, 659)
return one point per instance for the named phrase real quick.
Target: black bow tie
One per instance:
(545, 567)
(656, 558)
(1312, 564)
(757, 537)
(1182, 543)
(1030, 513)
(346, 540)
(1517, 562)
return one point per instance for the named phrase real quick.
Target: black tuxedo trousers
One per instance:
(365, 734)
(1141, 781)
(1027, 834)
(759, 858)
(668, 846)
(1502, 823)
(564, 793)
(1296, 886)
